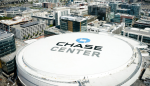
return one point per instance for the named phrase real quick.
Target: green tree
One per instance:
(51, 25)
(24, 37)
(28, 35)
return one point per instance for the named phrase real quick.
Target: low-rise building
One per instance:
(73, 23)
(44, 17)
(142, 23)
(20, 11)
(100, 26)
(48, 5)
(128, 19)
(28, 30)
(142, 35)
(54, 31)
(6, 24)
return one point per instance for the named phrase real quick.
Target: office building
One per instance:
(7, 24)
(73, 23)
(54, 31)
(51, 1)
(8, 62)
(99, 26)
(79, 9)
(28, 30)
(101, 11)
(20, 11)
(113, 6)
(141, 35)
(68, 60)
(48, 5)
(4, 2)
(142, 23)
(60, 11)
(7, 43)
(131, 9)
(128, 19)
(44, 17)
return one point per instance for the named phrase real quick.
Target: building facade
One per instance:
(142, 23)
(101, 11)
(3, 2)
(7, 43)
(73, 23)
(60, 11)
(44, 17)
(28, 30)
(7, 24)
(142, 35)
(128, 19)
(131, 9)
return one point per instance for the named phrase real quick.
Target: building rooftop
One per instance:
(29, 24)
(60, 8)
(74, 18)
(57, 31)
(26, 25)
(18, 9)
(44, 16)
(145, 32)
(15, 20)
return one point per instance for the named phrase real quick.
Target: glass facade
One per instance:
(8, 67)
(141, 26)
(146, 39)
(7, 46)
(83, 26)
(74, 26)
(134, 36)
(64, 24)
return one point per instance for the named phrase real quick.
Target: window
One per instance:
(146, 39)
(134, 36)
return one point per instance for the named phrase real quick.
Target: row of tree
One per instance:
(4, 18)
(31, 36)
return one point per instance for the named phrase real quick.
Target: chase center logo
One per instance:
(83, 40)
(75, 48)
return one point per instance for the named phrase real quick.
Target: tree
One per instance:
(51, 25)
(28, 35)
(39, 33)
(24, 37)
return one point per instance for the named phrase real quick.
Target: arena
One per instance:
(80, 59)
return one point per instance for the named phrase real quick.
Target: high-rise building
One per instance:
(101, 11)
(73, 23)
